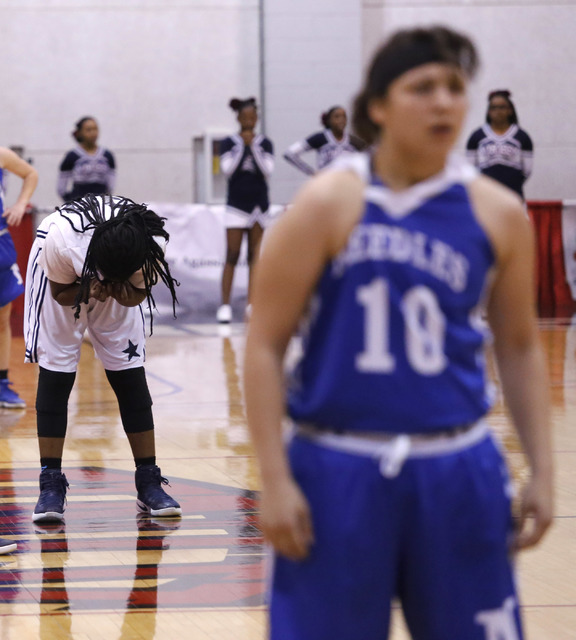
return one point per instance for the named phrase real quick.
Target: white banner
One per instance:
(196, 253)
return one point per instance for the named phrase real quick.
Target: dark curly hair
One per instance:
(123, 241)
(237, 104)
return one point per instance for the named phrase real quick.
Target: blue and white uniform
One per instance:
(52, 334)
(248, 168)
(82, 173)
(11, 283)
(409, 493)
(507, 157)
(327, 148)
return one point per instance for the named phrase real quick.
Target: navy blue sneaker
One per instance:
(52, 500)
(152, 498)
(7, 546)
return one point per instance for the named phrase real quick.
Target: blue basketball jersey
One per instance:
(396, 332)
(11, 283)
(3, 223)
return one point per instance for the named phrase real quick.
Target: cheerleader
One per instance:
(88, 168)
(500, 148)
(328, 144)
(247, 160)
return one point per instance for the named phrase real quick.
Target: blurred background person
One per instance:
(87, 168)
(500, 148)
(11, 284)
(247, 160)
(328, 144)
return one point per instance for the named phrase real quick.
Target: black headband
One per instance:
(412, 56)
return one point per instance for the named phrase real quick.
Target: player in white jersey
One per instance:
(392, 484)
(93, 263)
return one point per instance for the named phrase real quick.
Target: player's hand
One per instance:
(285, 520)
(14, 214)
(248, 136)
(98, 290)
(535, 512)
(126, 293)
(122, 292)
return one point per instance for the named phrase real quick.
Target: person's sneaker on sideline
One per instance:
(224, 313)
(7, 546)
(52, 500)
(151, 497)
(9, 399)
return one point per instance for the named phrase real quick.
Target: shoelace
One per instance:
(56, 485)
(52, 483)
(155, 478)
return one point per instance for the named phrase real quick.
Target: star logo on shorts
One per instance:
(131, 351)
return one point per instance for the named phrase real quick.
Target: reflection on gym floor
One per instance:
(110, 573)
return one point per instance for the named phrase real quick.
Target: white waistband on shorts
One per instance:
(393, 450)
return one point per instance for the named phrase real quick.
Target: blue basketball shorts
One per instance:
(11, 282)
(435, 536)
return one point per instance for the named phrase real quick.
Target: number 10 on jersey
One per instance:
(424, 329)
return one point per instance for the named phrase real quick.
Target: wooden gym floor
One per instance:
(110, 575)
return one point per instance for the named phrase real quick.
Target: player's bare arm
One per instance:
(126, 294)
(517, 348)
(15, 164)
(299, 246)
(64, 294)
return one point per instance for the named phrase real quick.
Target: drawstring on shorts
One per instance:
(392, 451)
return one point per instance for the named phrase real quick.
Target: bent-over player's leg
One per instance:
(53, 340)
(118, 335)
(53, 393)
(135, 404)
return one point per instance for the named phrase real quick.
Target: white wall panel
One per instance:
(526, 46)
(157, 72)
(313, 60)
(153, 74)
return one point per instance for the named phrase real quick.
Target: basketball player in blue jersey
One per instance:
(392, 484)
(11, 283)
(328, 144)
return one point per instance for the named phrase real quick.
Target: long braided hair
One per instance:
(122, 243)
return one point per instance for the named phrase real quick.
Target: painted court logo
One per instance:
(107, 554)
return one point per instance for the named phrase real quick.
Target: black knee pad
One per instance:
(134, 400)
(54, 389)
